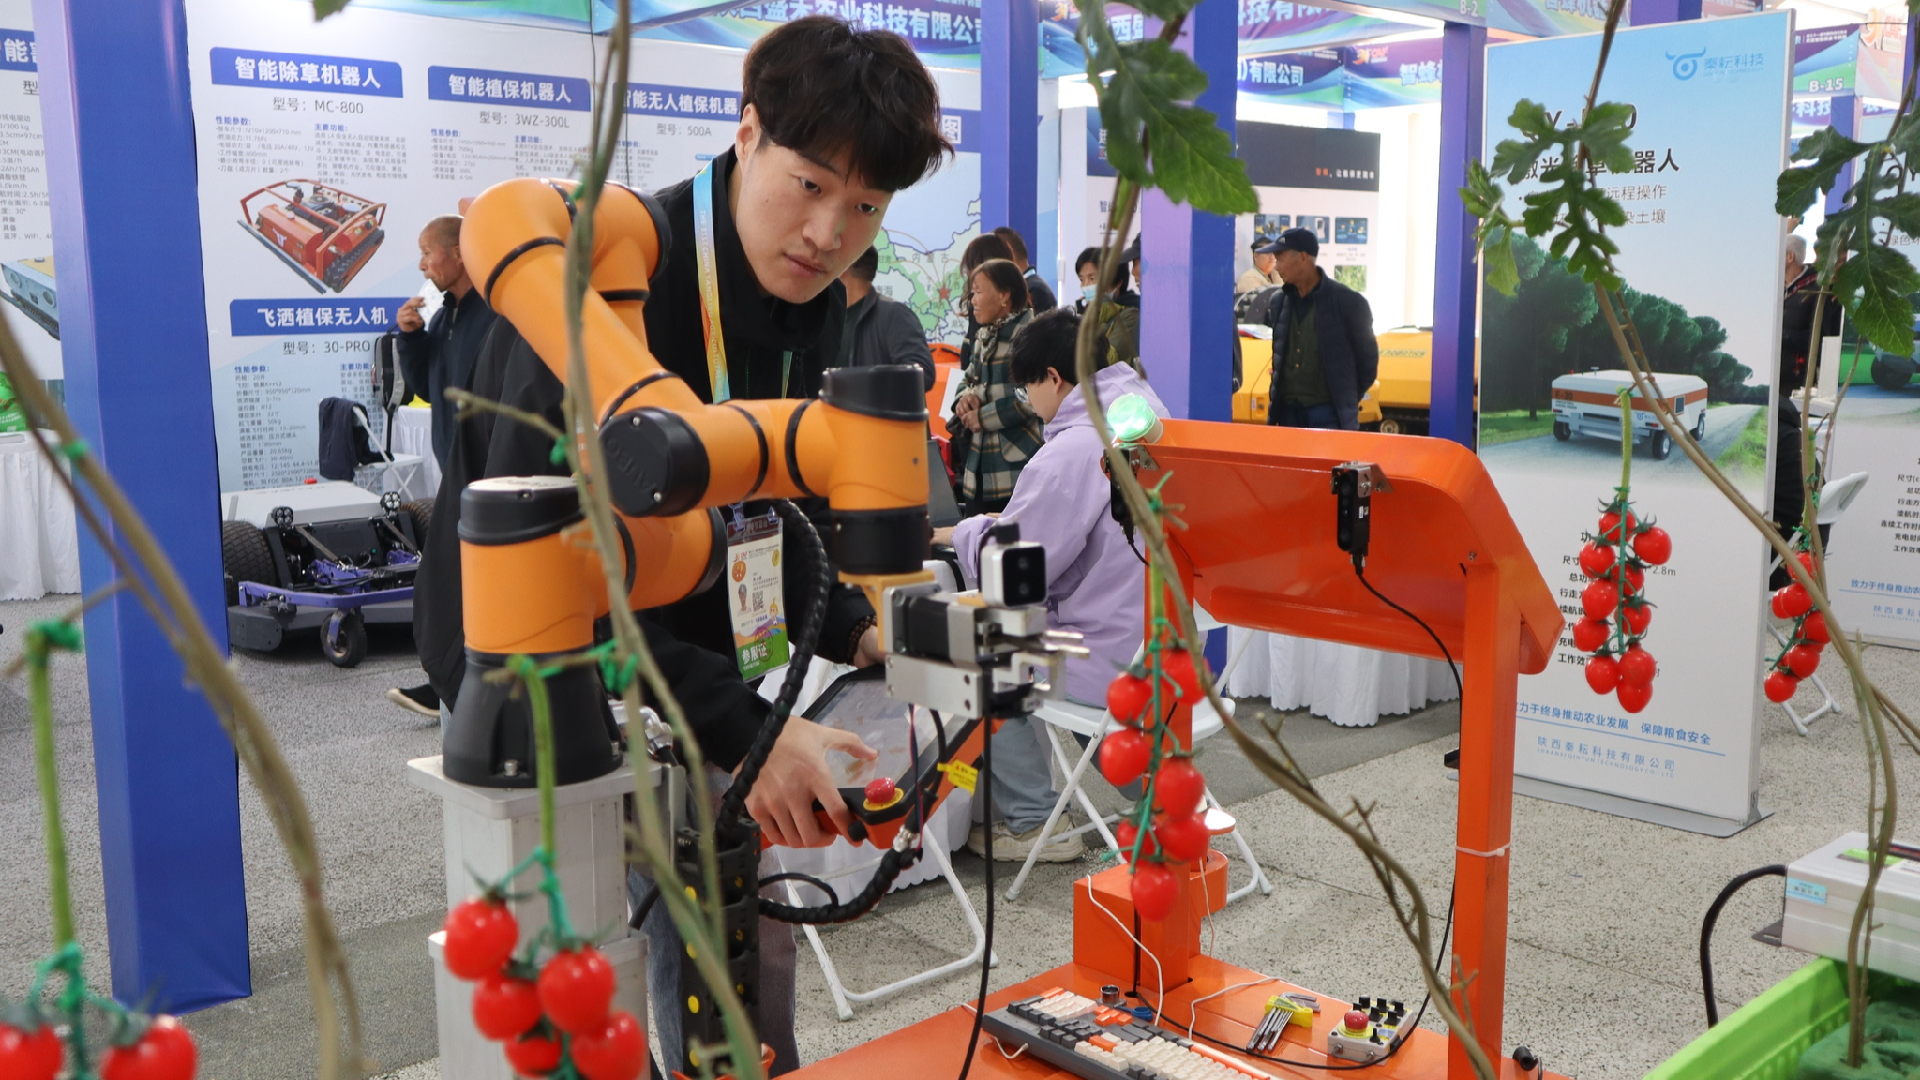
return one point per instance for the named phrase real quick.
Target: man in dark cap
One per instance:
(1324, 353)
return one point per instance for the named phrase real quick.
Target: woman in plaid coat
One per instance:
(1005, 432)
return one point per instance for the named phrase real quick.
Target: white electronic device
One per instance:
(1824, 888)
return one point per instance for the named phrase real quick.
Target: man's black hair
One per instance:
(867, 265)
(1092, 256)
(1048, 342)
(1015, 244)
(822, 89)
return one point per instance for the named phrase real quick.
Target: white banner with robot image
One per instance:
(1709, 133)
(325, 147)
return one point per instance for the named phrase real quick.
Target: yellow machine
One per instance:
(1256, 366)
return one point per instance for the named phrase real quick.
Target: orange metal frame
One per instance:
(1258, 551)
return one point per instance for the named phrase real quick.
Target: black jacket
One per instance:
(1349, 355)
(441, 355)
(1796, 327)
(1039, 294)
(882, 330)
(693, 639)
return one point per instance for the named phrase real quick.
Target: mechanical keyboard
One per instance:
(1099, 1042)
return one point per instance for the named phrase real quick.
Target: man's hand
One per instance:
(867, 653)
(409, 318)
(971, 417)
(943, 535)
(795, 776)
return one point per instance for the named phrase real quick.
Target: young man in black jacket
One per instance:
(1324, 352)
(833, 122)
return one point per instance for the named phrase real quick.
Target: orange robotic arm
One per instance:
(672, 459)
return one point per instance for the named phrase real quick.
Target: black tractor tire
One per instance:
(1561, 431)
(244, 556)
(421, 511)
(343, 639)
(1892, 372)
(1659, 445)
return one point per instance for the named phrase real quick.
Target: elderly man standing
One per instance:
(1261, 275)
(1324, 353)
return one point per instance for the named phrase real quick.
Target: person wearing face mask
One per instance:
(833, 122)
(1005, 432)
(1094, 577)
(1118, 310)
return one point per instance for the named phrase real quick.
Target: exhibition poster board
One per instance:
(390, 119)
(1709, 139)
(27, 286)
(1349, 78)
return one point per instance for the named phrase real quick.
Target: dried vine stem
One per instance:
(700, 926)
(1411, 913)
(150, 574)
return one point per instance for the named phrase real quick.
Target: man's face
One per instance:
(1263, 263)
(1296, 267)
(440, 263)
(801, 222)
(1794, 267)
(1044, 397)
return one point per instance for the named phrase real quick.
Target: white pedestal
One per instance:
(488, 831)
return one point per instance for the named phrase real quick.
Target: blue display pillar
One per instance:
(119, 145)
(1456, 275)
(1186, 316)
(1845, 111)
(1010, 118)
(1650, 12)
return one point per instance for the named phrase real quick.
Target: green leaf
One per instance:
(1514, 157)
(1531, 118)
(1187, 155)
(324, 8)
(1798, 187)
(1482, 197)
(1605, 135)
(1503, 274)
(1164, 10)
(1873, 285)
(1828, 146)
(1193, 162)
(1903, 210)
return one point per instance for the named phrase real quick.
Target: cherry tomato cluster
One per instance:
(547, 1015)
(146, 1048)
(1801, 656)
(1178, 832)
(1614, 560)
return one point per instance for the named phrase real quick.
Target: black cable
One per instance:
(733, 805)
(646, 908)
(1713, 916)
(804, 879)
(986, 950)
(1452, 668)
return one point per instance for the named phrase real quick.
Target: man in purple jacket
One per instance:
(1096, 581)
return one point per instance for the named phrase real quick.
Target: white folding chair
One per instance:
(1093, 724)
(1835, 497)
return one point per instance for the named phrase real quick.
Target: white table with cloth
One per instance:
(1349, 685)
(39, 547)
(413, 434)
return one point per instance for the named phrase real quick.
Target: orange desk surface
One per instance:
(934, 1048)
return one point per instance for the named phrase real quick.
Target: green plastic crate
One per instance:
(1764, 1038)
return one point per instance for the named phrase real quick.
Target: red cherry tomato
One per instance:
(1126, 832)
(30, 1055)
(1792, 601)
(576, 989)
(1128, 696)
(1815, 629)
(534, 1055)
(481, 934)
(1635, 617)
(1599, 599)
(1780, 686)
(1634, 698)
(1806, 560)
(1603, 674)
(163, 1052)
(617, 1051)
(1177, 666)
(1184, 838)
(1654, 546)
(1637, 667)
(1178, 788)
(1803, 659)
(1610, 527)
(1154, 891)
(1590, 634)
(504, 1007)
(1636, 580)
(1124, 755)
(1595, 560)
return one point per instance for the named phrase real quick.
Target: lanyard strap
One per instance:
(708, 270)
